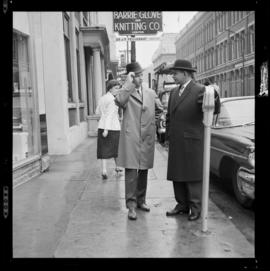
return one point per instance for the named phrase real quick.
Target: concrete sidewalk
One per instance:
(70, 211)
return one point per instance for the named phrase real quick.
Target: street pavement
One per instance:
(70, 212)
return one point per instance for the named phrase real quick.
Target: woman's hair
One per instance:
(207, 82)
(111, 84)
(110, 77)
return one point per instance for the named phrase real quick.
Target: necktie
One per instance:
(139, 92)
(181, 90)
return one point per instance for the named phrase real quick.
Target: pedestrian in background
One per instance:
(108, 127)
(185, 131)
(137, 137)
(208, 82)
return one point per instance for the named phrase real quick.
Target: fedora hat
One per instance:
(182, 64)
(133, 67)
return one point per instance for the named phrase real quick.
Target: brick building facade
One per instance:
(222, 47)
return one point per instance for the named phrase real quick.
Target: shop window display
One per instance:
(23, 103)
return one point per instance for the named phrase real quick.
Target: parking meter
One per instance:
(208, 107)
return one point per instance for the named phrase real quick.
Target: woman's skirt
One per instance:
(107, 147)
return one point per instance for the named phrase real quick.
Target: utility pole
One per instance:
(127, 51)
(133, 49)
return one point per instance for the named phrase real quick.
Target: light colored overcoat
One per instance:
(137, 135)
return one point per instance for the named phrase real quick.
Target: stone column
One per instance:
(96, 91)
(103, 73)
(97, 74)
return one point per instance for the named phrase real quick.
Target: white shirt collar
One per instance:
(185, 84)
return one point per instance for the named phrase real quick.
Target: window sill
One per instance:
(71, 105)
(26, 161)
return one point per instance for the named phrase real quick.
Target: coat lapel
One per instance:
(136, 95)
(178, 99)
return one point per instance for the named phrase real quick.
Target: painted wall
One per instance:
(106, 18)
(45, 30)
(20, 22)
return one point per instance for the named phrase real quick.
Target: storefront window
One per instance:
(23, 102)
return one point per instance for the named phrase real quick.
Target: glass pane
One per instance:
(43, 134)
(238, 112)
(66, 26)
(23, 102)
(68, 69)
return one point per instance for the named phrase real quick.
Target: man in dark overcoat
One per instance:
(185, 133)
(137, 136)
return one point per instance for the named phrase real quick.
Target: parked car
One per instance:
(232, 146)
(161, 118)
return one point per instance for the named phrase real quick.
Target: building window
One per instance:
(225, 52)
(230, 48)
(233, 17)
(229, 22)
(221, 22)
(252, 39)
(67, 53)
(77, 16)
(235, 48)
(216, 56)
(85, 19)
(24, 136)
(243, 40)
(78, 67)
(221, 53)
(212, 57)
(236, 16)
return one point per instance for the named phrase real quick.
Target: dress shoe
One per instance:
(144, 207)
(194, 216)
(104, 176)
(176, 211)
(132, 214)
(117, 170)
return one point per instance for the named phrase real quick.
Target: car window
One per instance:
(236, 112)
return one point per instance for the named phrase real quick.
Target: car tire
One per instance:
(241, 198)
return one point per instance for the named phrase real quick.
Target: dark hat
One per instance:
(111, 84)
(182, 64)
(133, 67)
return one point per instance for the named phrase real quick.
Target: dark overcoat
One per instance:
(137, 135)
(185, 132)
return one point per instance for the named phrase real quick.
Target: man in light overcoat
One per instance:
(185, 132)
(137, 137)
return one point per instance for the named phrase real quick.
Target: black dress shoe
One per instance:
(104, 177)
(144, 207)
(132, 214)
(117, 170)
(177, 211)
(194, 216)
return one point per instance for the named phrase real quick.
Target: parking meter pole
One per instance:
(205, 188)
(208, 109)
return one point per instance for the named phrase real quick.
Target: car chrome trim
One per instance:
(246, 179)
(230, 153)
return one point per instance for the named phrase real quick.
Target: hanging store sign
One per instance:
(137, 39)
(137, 22)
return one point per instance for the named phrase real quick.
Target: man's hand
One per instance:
(105, 133)
(130, 77)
